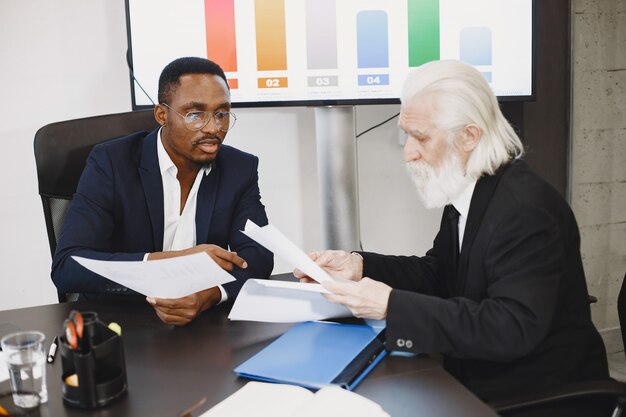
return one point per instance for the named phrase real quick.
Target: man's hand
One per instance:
(337, 263)
(225, 259)
(221, 256)
(180, 311)
(366, 299)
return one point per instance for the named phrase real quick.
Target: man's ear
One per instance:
(159, 114)
(472, 133)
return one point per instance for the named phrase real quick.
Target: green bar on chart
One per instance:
(423, 16)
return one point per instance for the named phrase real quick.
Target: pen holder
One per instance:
(98, 364)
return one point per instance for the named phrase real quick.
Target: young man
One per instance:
(174, 191)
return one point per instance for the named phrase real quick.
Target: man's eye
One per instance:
(194, 116)
(221, 115)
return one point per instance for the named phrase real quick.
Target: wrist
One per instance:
(210, 297)
(357, 260)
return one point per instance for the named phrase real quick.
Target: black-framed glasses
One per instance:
(197, 120)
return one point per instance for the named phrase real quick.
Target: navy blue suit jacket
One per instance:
(117, 213)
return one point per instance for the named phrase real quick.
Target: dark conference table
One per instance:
(170, 368)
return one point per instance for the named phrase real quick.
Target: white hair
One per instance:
(463, 96)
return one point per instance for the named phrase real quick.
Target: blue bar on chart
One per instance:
(487, 75)
(475, 45)
(373, 79)
(372, 39)
(321, 34)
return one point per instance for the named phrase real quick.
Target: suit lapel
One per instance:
(207, 194)
(152, 186)
(485, 187)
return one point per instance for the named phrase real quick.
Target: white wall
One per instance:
(65, 59)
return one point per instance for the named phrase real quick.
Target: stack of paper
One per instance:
(284, 302)
(280, 301)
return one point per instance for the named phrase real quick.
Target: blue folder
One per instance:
(317, 354)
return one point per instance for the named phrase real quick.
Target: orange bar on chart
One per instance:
(233, 83)
(271, 44)
(221, 42)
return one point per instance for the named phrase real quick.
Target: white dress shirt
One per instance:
(462, 204)
(179, 229)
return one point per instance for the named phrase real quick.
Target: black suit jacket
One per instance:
(117, 213)
(515, 316)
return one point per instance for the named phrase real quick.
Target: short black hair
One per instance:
(182, 66)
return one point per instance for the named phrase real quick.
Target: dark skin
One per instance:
(190, 151)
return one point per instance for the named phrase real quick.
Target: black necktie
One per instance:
(453, 224)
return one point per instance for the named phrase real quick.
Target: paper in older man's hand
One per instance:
(162, 278)
(270, 237)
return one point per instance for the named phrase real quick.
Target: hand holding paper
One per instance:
(366, 299)
(338, 263)
(181, 311)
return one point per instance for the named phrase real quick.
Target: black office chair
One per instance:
(621, 310)
(588, 398)
(602, 398)
(61, 151)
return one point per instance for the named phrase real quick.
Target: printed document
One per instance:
(162, 278)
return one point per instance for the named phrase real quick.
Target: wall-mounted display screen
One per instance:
(324, 52)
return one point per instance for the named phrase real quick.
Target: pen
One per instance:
(53, 349)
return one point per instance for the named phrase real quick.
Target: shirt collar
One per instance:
(462, 202)
(165, 162)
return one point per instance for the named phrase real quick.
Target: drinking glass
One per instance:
(25, 357)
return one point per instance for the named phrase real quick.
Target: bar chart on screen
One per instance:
(303, 50)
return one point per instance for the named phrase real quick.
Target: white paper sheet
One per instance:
(264, 399)
(284, 302)
(162, 278)
(270, 237)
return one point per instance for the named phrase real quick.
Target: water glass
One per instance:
(26, 359)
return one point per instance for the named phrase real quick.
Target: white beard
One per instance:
(437, 187)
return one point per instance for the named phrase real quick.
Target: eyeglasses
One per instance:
(197, 120)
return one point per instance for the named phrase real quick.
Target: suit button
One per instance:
(400, 342)
(409, 344)
(124, 288)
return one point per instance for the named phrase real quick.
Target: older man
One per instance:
(502, 293)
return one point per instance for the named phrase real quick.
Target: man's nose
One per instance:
(211, 127)
(411, 150)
